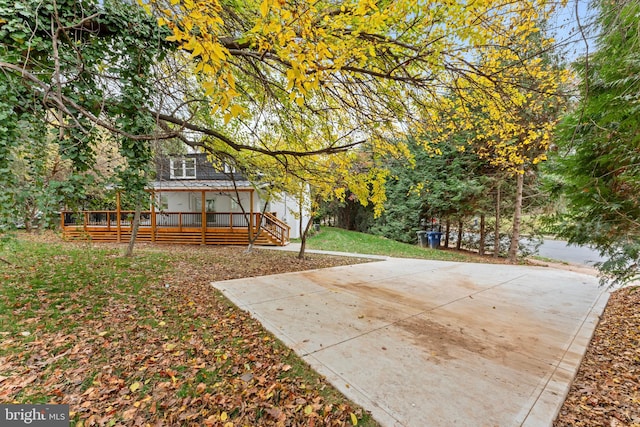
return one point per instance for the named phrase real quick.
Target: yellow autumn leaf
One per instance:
(209, 88)
(308, 409)
(264, 8)
(236, 110)
(176, 37)
(223, 416)
(197, 50)
(218, 52)
(135, 386)
(354, 419)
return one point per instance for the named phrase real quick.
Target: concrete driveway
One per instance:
(432, 343)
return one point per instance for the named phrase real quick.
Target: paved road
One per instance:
(561, 251)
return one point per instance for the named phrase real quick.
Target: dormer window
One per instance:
(229, 168)
(183, 168)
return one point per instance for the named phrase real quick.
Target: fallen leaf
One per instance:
(129, 413)
(354, 419)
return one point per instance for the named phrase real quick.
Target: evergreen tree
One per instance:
(602, 139)
(445, 183)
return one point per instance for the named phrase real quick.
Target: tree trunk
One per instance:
(459, 242)
(496, 239)
(134, 230)
(303, 238)
(517, 217)
(483, 235)
(447, 232)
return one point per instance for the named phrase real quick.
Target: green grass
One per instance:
(337, 239)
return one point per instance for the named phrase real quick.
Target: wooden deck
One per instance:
(219, 228)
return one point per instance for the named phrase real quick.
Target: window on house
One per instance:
(183, 168)
(229, 168)
(164, 203)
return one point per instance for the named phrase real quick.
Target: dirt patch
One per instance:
(583, 269)
(440, 341)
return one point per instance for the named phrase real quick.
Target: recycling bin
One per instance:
(433, 238)
(422, 238)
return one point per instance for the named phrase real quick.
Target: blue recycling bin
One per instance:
(433, 237)
(422, 238)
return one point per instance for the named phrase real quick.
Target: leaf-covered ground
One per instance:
(147, 340)
(606, 390)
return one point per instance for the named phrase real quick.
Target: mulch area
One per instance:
(606, 390)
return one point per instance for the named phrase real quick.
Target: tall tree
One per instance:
(253, 76)
(513, 131)
(444, 182)
(601, 140)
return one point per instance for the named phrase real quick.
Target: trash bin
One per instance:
(434, 239)
(422, 238)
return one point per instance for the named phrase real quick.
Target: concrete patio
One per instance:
(432, 343)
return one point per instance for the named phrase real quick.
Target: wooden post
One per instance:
(251, 215)
(203, 220)
(153, 217)
(118, 232)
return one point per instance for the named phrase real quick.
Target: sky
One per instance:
(566, 30)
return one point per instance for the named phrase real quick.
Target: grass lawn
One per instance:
(337, 239)
(147, 341)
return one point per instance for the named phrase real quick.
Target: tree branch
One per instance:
(240, 147)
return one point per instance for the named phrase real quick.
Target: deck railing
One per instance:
(278, 228)
(99, 222)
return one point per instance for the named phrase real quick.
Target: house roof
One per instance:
(192, 184)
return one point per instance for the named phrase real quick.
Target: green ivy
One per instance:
(105, 69)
